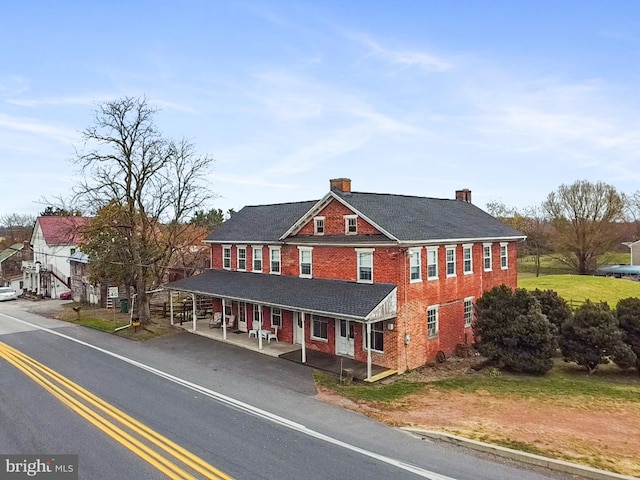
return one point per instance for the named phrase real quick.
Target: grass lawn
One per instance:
(578, 288)
(551, 265)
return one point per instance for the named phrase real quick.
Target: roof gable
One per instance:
(61, 230)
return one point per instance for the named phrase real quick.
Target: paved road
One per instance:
(248, 415)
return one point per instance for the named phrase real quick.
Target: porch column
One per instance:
(304, 347)
(368, 351)
(260, 328)
(193, 308)
(224, 320)
(170, 306)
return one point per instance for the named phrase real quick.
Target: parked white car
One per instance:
(8, 293)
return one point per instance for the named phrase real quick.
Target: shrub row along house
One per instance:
(383, 279)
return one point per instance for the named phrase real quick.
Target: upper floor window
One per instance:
(274, 260)
(504, 256)
(377, 337)
(318, 225)
(305, 261)
(451, 261)
(415, 265)
(468, 311)
(226, 257)
(486, 256)
(242, 257)
(432, 321)
(467, 259)
(350, 224)
(276, 317)
(432, 263)
(365, 265)
(257, 258)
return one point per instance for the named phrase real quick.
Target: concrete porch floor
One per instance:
(322, 361)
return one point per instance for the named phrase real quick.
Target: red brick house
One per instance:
(385, 279)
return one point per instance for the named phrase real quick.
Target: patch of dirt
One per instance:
(604, 435)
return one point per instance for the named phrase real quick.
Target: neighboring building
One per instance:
(11, 264)
(634, 247)
(386, 279)
(54, 240)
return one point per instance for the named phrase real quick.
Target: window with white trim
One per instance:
(415, 265)
(365, 265)
(319, 328)
(276, 317)
(257, 258)
(467, 259)
(468, 311)
(257, 313)
(274, 260)
(377, 337)
(451, 260)
(350, 224)
(242, 257)
(504, 256)
(318, 225)
(226, 257)
(432, 321)
(305, 255)
(432, 263)
(486, 256)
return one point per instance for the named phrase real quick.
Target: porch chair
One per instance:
(216, 320)
(255, 328)
(231, 319)
(273, 335)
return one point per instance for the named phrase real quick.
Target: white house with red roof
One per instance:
(54, 240)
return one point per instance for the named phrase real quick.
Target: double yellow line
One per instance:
(143, 441)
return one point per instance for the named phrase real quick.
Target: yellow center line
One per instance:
(37, 372)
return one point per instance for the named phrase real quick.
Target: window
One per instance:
(351, 224)
(432, 263)
(504, 256)
(468, 311)
(242, 312)
(276, 317)
(415, 266)
(242, 257)
(274, 255)
(72, 251)
(318, 225)
(486, 249)
(365, 265)
(257, 259)
(467, 259)
(451, 261)
(319, 328)
(257, 313)
(226, 257)
(227, 309)
(377, 337)
(305, 261)
(432, 321)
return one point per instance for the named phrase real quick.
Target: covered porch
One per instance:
(310, 314)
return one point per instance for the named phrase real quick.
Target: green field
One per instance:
(552, 265)
(578, 288)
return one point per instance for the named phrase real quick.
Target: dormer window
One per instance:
(318, 225)
(351, 224)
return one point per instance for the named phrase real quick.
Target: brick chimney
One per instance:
(464, 195)
(340, 184)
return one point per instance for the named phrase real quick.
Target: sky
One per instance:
(510, 99)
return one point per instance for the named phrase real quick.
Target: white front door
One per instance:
(242, 317)
(298, 332)
(344, 338)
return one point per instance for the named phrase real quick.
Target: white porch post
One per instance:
(224, 320)
(260, 328)
(193, 308)
(170, 306)
(304, 347)
(369, 351)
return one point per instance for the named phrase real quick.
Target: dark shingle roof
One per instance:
(324, 297)
(421, 218)
(260, 223)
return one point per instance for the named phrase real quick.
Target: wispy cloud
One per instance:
(30, 126)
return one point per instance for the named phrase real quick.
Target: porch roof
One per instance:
(334, 298)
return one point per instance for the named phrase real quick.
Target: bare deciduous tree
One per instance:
(154, 183)
(582, 216)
